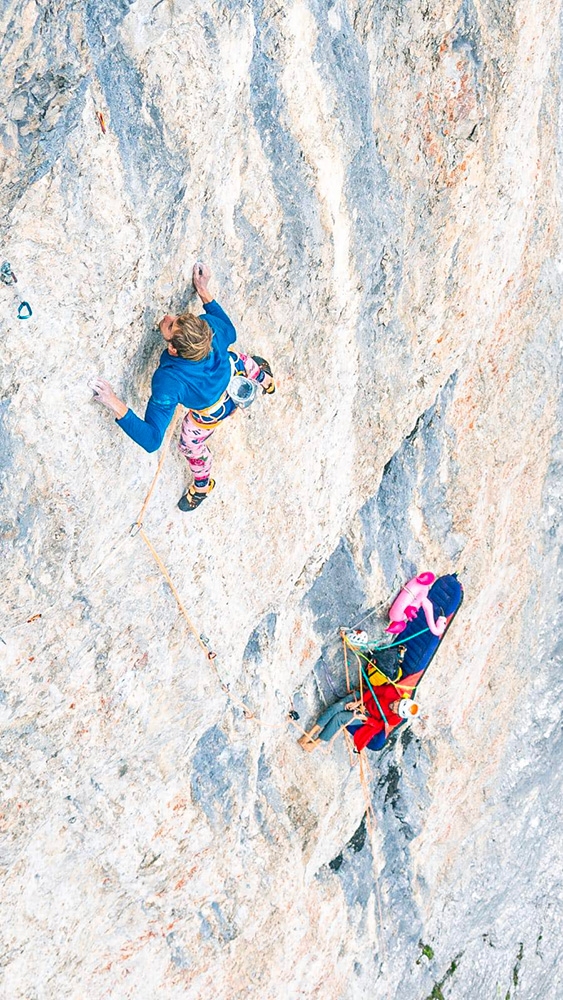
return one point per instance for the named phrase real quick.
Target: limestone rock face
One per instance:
(377, 190)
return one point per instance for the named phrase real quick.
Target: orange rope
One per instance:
(346, 662)
(163, 454)
(349, 744)
(201, 641)
(177, 597)
(348, 645)
(361, 681)
(210, 655)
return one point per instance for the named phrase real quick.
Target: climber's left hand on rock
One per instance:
(104, 394)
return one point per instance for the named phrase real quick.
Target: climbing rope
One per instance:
(201, 639)
(361, 676)
(374, 649)
(366, 778)
(369, 614)
(345, 647)
(401, 689)
(204, 644)
(137, 529)
(164, 452)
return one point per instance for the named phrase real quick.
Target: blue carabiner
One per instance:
(21, 307)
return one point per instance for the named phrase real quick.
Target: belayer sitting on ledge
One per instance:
(374, 721)
(197, 370)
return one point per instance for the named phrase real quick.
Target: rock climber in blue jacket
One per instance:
(195, 370)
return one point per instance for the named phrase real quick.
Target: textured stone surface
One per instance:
(377, 189)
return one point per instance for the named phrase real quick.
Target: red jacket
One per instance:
(385, 694)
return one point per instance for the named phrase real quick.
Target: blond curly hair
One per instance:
(192, 337)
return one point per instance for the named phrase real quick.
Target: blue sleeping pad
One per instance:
(446, 595)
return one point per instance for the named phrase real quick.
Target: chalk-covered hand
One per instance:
(361, 717)
(104, 394)
(200, 275)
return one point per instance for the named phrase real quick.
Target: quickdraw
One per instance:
(24, 311)
(7, 276)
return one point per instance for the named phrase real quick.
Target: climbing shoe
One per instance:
(193, 497)
(308, 743)
(265, 367)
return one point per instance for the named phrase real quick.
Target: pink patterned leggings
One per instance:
(194, 436)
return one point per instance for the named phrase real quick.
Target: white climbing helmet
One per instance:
(358, 635)
(241, 390)
(407, 708)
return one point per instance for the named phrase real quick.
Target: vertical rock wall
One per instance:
(377, 189)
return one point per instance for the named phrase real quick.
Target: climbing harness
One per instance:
(363, 674)
(213, 415)
(374, 696)
(240, 392)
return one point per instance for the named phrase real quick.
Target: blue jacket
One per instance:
(195, 384)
